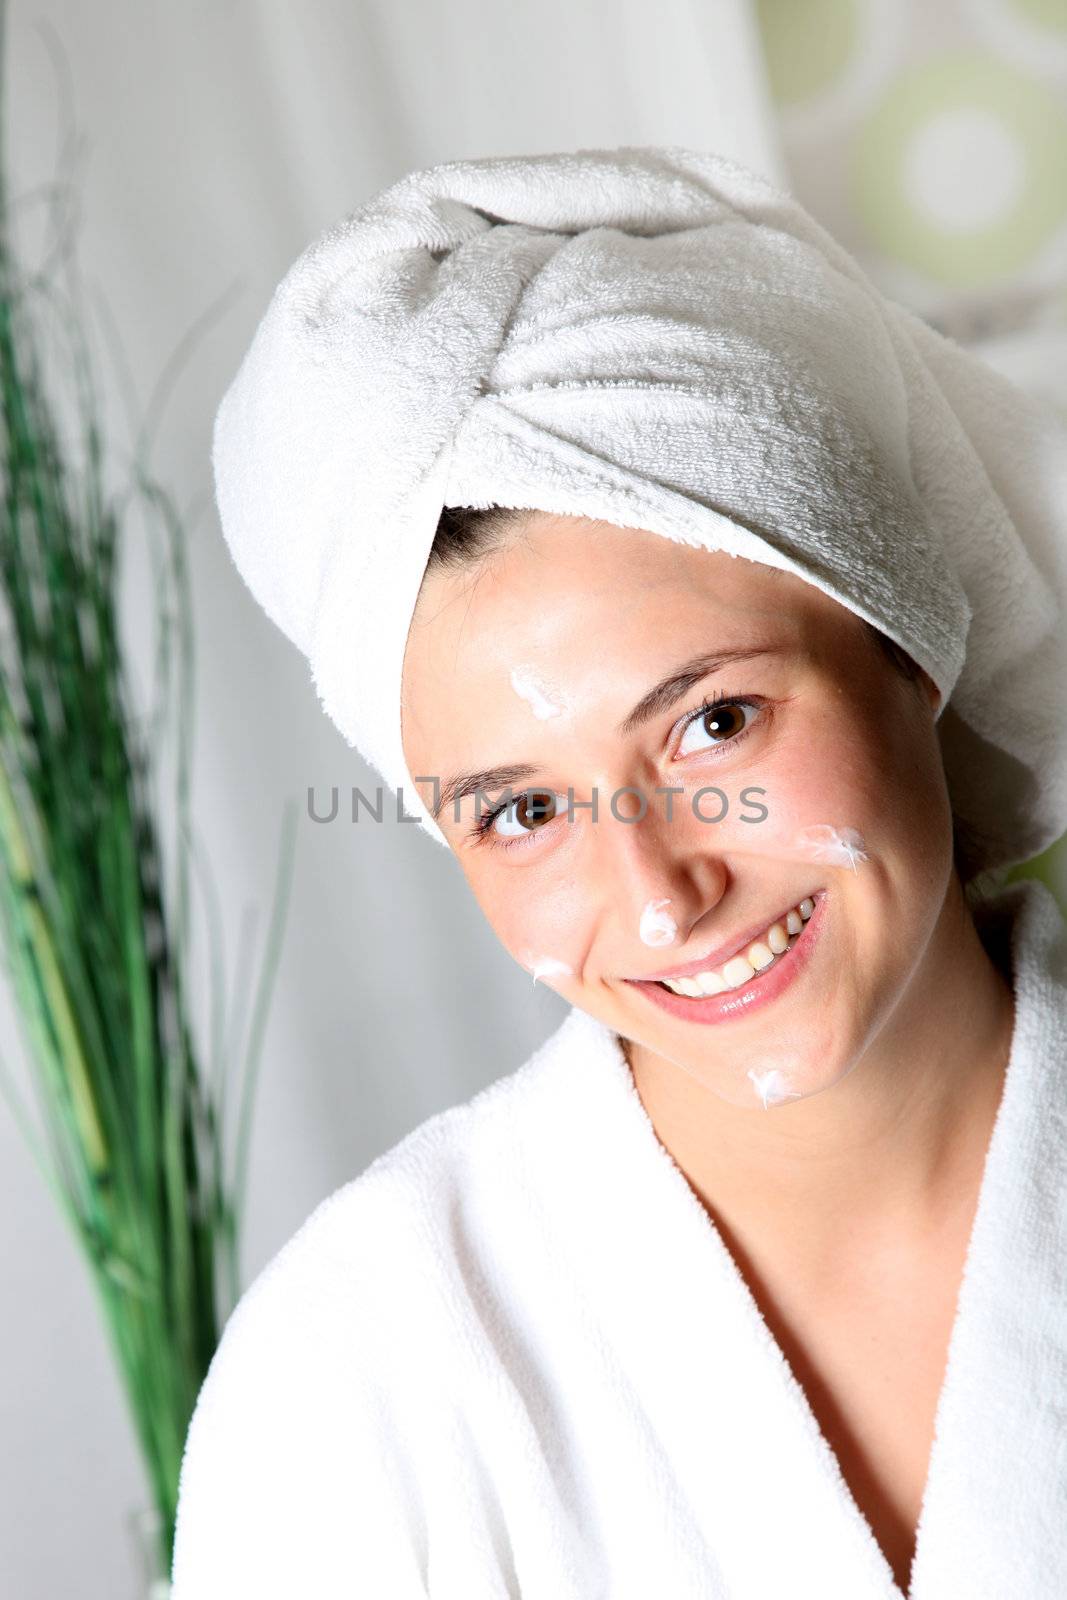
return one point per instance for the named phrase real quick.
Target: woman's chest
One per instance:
(870, 1356)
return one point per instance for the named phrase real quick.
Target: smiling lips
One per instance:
(750, 978)
(733, 966)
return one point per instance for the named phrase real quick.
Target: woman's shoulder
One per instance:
(392, 1212)
(383, 1221)
(355, 1334)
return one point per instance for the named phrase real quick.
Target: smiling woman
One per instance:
(713, 609)
(814, 722)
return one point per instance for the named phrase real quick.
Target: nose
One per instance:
(658, 883)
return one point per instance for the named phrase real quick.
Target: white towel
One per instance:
(515, 1358)
(658, 338)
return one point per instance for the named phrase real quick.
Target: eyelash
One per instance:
(481, 833)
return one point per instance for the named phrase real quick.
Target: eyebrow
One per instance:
(660, 698)
(465, 783)
(679, 682)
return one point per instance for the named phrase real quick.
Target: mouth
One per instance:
(753, 975)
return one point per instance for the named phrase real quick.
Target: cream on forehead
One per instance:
(657, 926)
(838, 847)
(543, 699)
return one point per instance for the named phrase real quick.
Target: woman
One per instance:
(730, 696)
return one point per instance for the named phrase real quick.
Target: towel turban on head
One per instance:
(661, 339)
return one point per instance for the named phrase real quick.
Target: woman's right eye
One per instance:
(525, 814)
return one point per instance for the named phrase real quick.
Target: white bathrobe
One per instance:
(514, 1358)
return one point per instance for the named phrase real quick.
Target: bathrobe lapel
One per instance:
(994, 1516)
(733, 1424)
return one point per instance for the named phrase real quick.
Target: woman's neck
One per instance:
(906, 1129)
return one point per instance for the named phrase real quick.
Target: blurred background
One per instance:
(217, 139)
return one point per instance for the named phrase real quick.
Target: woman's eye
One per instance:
(715, 725)
(526, 813)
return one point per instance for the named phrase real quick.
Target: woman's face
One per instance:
(581, 657)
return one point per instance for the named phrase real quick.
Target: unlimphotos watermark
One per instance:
(362, 808)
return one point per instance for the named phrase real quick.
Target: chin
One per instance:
(764, 1080)
(772, 1086)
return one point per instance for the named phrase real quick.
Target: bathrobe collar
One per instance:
(763, 1479)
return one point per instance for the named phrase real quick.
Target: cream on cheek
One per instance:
(799, 787)
(547, 931)
(838, 847)
(785, 834)
(542, 967)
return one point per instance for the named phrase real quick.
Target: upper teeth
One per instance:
(740, 968)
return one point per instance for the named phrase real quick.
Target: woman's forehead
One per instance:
(581, 614)
(561, 573)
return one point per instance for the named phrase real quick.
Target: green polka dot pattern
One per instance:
(1050, 14)
(1025, 127)
(806, 46)
(932, 142)
(938, 149)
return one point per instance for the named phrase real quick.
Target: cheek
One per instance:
(860, 792)
(547, 928)
(770, 804)
(838, 791)
(820, 801)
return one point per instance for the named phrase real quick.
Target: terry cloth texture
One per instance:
(515, 1357)
(657, 338)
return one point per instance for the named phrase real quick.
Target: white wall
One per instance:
(220, 138)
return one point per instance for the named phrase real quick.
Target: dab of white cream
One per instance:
(657, 927)
(536, 694)
(771, 1086)
(549, 967)
(839, 847)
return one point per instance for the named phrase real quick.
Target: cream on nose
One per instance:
(657, 927)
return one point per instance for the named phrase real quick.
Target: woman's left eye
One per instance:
(526, 814)
(722, 721)
(514, 824)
